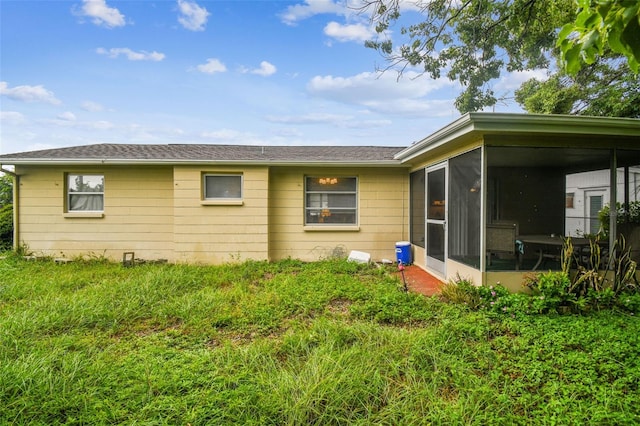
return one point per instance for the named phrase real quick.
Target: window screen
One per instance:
(85, 193)
(331, 200)
(222, 187)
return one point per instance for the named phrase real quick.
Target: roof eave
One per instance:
(156, 162)
(482, 123)
(451, 131)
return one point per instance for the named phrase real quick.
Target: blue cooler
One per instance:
(403, 252)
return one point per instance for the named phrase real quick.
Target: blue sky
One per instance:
(221, 72)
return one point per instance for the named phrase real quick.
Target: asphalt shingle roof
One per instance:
(210, 153)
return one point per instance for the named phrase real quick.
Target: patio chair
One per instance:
(501, 239)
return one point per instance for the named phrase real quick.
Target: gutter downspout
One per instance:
(16, 185)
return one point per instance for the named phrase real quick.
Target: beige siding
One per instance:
(443, 153)
(220, 233)
(138, 213)
(382, 215)
(158, 213)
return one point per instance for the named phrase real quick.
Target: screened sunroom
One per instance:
(493, 196)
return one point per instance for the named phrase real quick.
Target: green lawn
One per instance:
(292, 343)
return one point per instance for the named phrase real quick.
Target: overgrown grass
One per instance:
(293, 343)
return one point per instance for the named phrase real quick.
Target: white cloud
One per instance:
(212, 66)
(101, 14)
(130, 54)
(423, 107)
(513, 80)
(12, 117)
(266, 69)
(144, 133)
(99, 125)
(230, 136)
(412, 95)
(28, 93)
(192, 16)
(92, 106)
(355, 32)
(67, 116)
(64, 120)
(309, 8)
(312, 118)
(368, 86)
(335, 120)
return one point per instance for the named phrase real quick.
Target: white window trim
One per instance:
(76, 214)
(333, 226)
(221, 201)
(82, 213)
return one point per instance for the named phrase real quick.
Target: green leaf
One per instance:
(572, 59)
(565, 31)
(614, 41)
(603, 9)
(583, 17)
(628, 13)
(631, 38)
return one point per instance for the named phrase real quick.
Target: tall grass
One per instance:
(291, 343)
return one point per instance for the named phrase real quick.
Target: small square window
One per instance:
(85, 193)
(222, 187)
(569, 200)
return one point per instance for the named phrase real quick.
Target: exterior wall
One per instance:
(138, 213)
(585, 184)
(512, 280)
(216, 233)
(159, 213)
(457, 269)
(419, 253)
(419, 256)
(382, 215)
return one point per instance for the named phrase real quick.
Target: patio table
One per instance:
(547, 245)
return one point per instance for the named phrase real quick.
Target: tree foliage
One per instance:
(6, 189)
(471, 41)
(6, 226)
(601, 25)
(605, 88)
(6, 211)
(475, 41)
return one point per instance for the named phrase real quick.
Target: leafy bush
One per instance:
(597, 284)
(630, 215)
(550, 291)
(629, 302)
(6, 190)
(6, 227)
(461, 291)
(493, 298)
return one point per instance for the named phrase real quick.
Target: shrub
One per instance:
(629, 302)
(461, 291)
(6, 227)
(550, 291)
(493, 298)
(631, 215)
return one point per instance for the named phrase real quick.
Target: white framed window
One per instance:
(85, 192)
(221, 187)
(331, 200)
